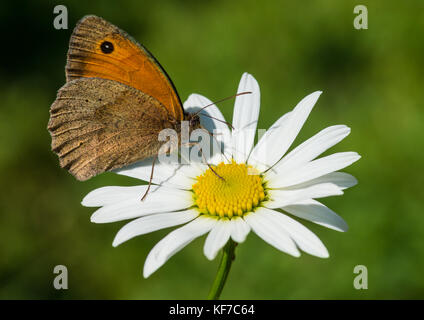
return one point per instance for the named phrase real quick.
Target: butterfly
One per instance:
(116, 100)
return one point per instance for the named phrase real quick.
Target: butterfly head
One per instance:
(193, 120)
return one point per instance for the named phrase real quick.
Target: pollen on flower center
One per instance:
(240, 192)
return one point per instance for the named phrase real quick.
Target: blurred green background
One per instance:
(372, 81)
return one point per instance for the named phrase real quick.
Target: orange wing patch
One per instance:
(99, 49)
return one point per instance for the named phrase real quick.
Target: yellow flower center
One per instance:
(240, 190)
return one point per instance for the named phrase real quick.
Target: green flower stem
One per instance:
(227, 259)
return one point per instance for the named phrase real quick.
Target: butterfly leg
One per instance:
(216, 140)
(210, 167)
(191, 144)
(151, 178)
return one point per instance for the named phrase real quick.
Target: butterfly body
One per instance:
(116, 101)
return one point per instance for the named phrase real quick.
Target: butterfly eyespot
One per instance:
(107, 47)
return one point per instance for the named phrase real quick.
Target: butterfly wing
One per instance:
(98, 125)
(99, 49)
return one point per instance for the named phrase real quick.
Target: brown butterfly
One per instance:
(116, 101)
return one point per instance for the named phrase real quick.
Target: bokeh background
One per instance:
(372, 81)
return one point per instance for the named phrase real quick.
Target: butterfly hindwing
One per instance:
(98, 125)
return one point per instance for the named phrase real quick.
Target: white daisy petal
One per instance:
(283, 197)
(159, 200)
(313, 169)
(341, 179)
(245, 118)
(311, 148)
(266, 229)
(265, 154)
(318, 213)
(192, 170)
(110, 195)
(175, 241)
(217, 238)
(304, 238)
(240, 229)
(215, 125)
(152, 223)
(164, 173)
(280, 141)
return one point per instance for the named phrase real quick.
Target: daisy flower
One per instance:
(262, 186)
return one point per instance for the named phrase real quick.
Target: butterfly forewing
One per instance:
(99, 49)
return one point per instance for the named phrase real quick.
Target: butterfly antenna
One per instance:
(220, 120)
(227, 98)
